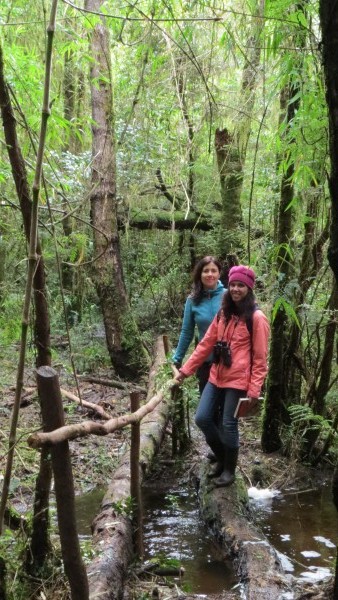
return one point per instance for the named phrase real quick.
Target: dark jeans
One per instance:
(214, 399)
(203, 375)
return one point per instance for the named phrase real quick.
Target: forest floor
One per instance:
(94, 459)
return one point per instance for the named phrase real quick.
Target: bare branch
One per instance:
(71, 432)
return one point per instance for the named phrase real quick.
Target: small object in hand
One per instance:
(247, 407)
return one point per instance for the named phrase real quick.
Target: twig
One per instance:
(83, 403)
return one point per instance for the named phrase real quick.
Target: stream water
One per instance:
(87, 506)
(302, 526)
(174, 532)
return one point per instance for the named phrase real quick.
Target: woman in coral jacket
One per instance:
(238, 335)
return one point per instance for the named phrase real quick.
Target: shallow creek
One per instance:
(174, 531)
(302, 526)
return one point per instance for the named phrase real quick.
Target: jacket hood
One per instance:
(219, 288)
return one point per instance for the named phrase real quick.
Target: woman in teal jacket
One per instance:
(202, 304)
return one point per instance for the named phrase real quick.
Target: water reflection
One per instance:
(86, 507)
(173, 529)
(303, 527)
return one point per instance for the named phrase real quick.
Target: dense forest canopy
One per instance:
(218, 133)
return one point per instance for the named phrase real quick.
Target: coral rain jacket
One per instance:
(249, 354)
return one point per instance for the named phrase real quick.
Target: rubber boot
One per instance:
(227, 477)
(211, 456)
(217, 466)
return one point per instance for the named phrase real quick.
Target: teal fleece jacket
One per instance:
(200, 316)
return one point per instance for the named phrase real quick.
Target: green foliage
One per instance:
(303, 416)
(11, 318)
(125, 507)
(87, 551)
(283, 304)
(303, 421)
(172, 500)
(19, 585)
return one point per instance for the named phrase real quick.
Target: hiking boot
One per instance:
(227, 476)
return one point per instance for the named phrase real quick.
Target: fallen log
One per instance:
(154, 568)
(112, 530)
(256, 561)
(107, 382)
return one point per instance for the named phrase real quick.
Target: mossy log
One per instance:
(112, 528)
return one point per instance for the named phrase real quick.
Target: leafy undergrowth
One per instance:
(93, 460)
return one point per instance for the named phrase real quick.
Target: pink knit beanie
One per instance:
(243, 274)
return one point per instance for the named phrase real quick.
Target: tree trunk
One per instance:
(123, 341)
(69, 109)
(231, 148)
(311, 262)
(41, 322)
(328, 11)
(230, 171)
(190, 131)
(276, 395)
(72, 276)
(53, 417)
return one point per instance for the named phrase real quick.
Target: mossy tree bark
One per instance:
(230, 170)
(297, 367)
(124, 344)
(275, 408)
(73, 275)
(231, 148)
(328, 12)
(53, 418)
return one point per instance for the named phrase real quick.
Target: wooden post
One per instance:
(174, 422)
(180, 438)
(135, 488)
(166, 344)
(3, 593)
(53, 417)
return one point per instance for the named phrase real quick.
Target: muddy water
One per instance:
(87, 506)
(174, 531)
(303, 527)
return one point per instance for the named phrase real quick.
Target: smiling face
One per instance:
(238, 291)
(210, 276)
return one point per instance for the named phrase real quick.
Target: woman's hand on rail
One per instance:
(179, 378)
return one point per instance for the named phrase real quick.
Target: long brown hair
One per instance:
(245, 308)
(197, 290)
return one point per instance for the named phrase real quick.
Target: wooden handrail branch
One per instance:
(70, 432)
